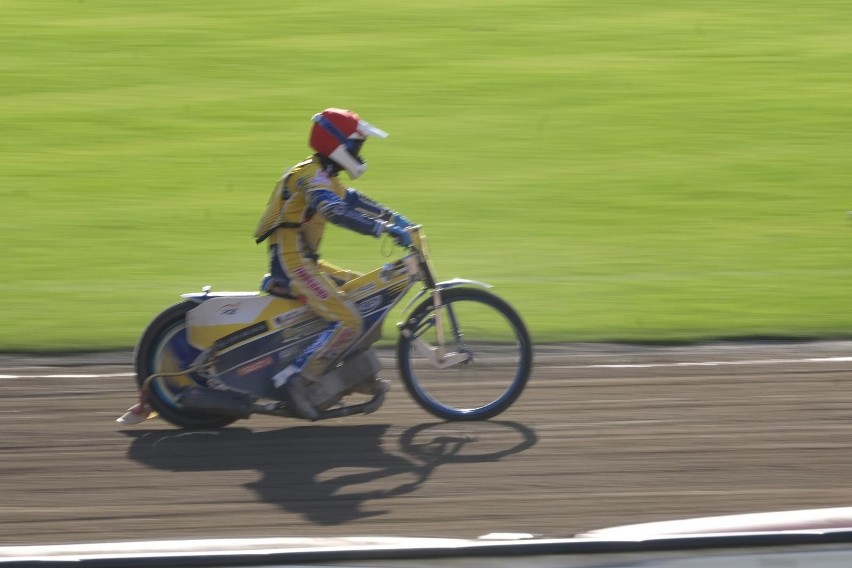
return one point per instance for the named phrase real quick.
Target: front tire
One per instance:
(164, 348)
(493, 337)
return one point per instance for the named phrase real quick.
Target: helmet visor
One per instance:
(368, 129)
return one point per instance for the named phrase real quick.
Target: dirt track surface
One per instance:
(604, 435)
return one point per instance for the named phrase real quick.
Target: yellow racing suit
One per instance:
(304, 199)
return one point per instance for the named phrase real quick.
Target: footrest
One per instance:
(364, 408)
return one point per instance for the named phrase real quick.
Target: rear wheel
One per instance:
(487, 350)
(164, 348)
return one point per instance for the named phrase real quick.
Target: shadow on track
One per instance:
(327, 474)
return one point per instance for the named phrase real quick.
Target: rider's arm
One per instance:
(337, 211)
(363, 204)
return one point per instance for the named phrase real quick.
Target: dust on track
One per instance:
(604, 435)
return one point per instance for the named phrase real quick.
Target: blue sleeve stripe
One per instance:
(335, 210)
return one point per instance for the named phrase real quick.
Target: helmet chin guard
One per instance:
(335, 135)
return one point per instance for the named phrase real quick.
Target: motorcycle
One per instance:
(462, 352)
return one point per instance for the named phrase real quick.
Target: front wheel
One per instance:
(468, 360)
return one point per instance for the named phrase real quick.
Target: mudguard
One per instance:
(236, 316)
(454, 283)
(206, 294)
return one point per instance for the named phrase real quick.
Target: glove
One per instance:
(399, 219)
(399, 234)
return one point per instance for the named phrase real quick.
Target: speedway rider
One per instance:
(304, 199)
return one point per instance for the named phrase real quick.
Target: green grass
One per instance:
(627, 171)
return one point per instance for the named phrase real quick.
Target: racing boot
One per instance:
(294, 391)
(372, 386)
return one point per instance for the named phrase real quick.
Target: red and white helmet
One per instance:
(338, 135)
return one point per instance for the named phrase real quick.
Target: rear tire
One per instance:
(163, 348)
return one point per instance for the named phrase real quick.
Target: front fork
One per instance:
(438, 354)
